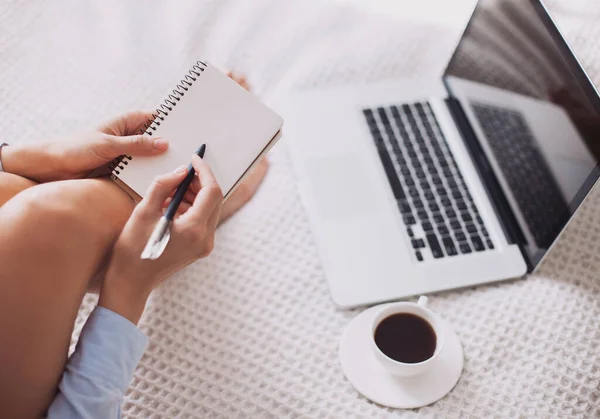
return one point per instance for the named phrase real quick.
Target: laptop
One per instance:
(417, 186)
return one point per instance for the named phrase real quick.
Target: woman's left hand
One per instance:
(90, 153)
(85, 154)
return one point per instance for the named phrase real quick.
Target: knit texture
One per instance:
(251, 331)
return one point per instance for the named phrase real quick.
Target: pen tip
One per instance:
(201, 150)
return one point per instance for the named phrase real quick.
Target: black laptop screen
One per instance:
(533, 111)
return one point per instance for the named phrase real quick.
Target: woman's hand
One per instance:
(129, 279)
(85, 154)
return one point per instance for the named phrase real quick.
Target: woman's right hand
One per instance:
(129, 279)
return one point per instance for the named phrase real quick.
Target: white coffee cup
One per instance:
(419, 309)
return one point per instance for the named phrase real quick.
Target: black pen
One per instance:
(162, 232)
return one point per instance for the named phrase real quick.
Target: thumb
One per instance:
(161, 188)
(136, 145)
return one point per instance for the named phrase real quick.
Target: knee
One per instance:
(40, 218)
(59, 210)
(11, 185)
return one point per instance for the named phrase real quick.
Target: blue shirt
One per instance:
(100, 370)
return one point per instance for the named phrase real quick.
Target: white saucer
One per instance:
(371, 380)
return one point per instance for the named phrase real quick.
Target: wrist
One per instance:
(121, 299)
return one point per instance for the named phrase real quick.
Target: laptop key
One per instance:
(404, 206)
(391, 175)
(383, 116)
(434, 246)
(438, 218)
(409, 220)
(455, 224)
(418, 243)
(410, 232)
(419, 256)
(477, 243)
(449, 245)
(460, 236)
(426, 225)
(465, 248)
(489, 244)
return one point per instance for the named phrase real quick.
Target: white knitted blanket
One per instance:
(250, 331)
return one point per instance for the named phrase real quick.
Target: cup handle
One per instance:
(423, 300)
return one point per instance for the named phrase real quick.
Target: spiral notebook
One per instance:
(205, 107)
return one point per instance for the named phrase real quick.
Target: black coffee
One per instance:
(406, 337)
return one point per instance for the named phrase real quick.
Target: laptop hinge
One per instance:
(512, 231)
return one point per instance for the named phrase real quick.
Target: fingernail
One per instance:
(180, 170)
(160, 144)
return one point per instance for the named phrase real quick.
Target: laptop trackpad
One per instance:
(341, 186)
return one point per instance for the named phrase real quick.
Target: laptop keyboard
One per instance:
(438, 211)
(525, 170)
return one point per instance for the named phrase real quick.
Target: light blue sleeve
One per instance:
(100, 370)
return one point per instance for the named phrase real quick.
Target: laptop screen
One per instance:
(533, 112)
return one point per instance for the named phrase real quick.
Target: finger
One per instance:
(209, 195)
(241, 80)
(183, 206)
(128, 124)
(135, 145)
(189, 196)
(161, 188)
(195, 185)
(200, 235)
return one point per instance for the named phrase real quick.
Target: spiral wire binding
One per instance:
(170, 102)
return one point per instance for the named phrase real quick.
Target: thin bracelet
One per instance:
(1, 145)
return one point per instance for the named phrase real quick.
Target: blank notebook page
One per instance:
(235, 126)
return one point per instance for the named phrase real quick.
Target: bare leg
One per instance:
(10, 185)
(54, 238)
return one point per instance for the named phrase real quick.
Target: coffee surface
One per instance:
(406, 337)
